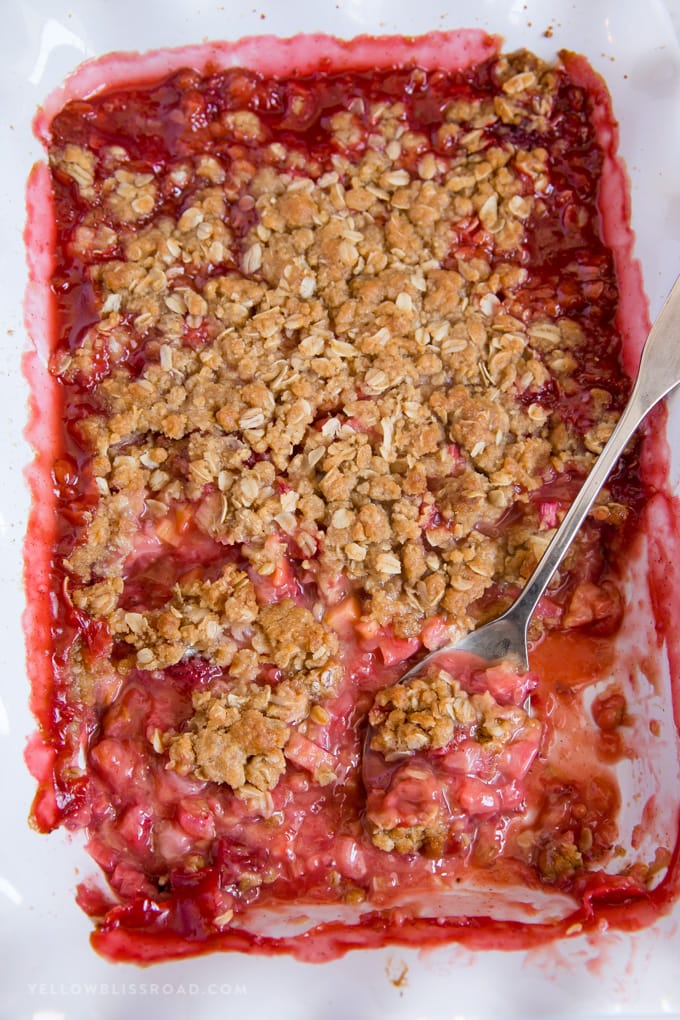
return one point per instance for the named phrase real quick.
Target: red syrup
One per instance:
(146, 926)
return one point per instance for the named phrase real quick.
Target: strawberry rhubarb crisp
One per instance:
(332, 355)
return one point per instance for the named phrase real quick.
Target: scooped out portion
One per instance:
(456, 757)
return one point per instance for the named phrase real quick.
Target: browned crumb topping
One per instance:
(379, 379)
(200, 615)
(422, 714)
(427, 826)
(238, 737)
(409, 839)
(297, 643)
(559, 859)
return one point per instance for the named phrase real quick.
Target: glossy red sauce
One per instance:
(163, 916)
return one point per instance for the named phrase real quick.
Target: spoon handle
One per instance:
(659, 373)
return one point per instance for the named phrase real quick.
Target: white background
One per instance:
(47, 969)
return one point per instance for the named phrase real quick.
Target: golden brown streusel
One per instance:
(423, 712)
(238, 737)
(347, 356)
(409, 839)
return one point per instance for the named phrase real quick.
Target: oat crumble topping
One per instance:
(380, 378)
(239, 737)
(422, 713)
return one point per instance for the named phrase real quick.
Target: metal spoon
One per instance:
(658, 374)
